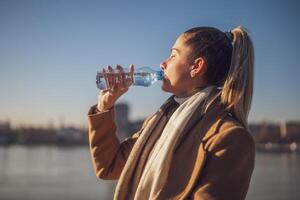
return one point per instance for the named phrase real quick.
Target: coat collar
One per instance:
(211, 122)
(203, 123)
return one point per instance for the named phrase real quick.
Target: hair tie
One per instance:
(229, 35)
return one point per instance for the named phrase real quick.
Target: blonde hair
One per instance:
(237, 90)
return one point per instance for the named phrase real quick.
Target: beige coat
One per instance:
(215, 161)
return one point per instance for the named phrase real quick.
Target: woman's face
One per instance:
(177, 69)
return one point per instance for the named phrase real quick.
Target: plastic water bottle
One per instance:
(144, 76)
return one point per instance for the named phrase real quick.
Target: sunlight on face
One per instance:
(177, 69)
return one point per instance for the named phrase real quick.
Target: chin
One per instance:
(163, 88)
(166, 89)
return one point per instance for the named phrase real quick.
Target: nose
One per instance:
(163, 65)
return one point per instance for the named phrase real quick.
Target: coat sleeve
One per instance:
(230, 162)
(108, 154)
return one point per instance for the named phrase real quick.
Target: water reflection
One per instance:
(66, 173)
(63, 173)
(276, 177)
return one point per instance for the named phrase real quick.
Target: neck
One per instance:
(190, 92)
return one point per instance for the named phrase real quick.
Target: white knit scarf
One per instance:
(156, 169)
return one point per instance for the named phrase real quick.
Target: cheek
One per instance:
(180, 76)
(177, 72)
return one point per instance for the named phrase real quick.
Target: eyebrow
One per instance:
(175, 50)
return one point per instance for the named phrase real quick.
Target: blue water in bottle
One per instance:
(144, 76)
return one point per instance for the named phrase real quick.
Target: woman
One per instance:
(197, 145)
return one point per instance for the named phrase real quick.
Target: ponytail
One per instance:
(237, 90)
(230, 60)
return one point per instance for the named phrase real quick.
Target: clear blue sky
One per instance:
(51, 50)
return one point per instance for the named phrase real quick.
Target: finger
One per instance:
(121, 76)
(104, 91)
(128, 82)
(111, 80)
(131, 72)
(118, 73)
(114, 89)
(131, 68)
(118, 89)
(105, 78)
(119, 70)
(123, 90)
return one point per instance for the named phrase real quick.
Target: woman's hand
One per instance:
(118, 84)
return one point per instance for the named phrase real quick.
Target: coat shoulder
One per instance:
(229, 131)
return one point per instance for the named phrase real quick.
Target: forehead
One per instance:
(180, 45)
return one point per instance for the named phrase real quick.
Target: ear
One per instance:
(199, 67)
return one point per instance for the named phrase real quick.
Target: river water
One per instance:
(46, 172)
